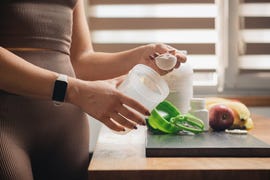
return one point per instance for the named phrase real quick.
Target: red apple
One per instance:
(220, 117)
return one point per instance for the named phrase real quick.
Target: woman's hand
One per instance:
(150, 51)
(115, 82)
(104, 102)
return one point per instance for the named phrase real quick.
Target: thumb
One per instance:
(119, 80)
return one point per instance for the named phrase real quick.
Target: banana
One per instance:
(242, 114)
(213, 100)
(249, 124)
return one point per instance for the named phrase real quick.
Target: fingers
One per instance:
(123, 118)
(156, 54)
(177, 65)
(181, 58)
(134, 105)
(131, 115)
(172, 51)
(120, 79)
(123, 121)
(112, 125)
(163, 48)
(153, 56)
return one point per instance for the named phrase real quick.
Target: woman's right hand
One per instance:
(104, 102)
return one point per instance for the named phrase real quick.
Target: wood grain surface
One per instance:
(123, 157)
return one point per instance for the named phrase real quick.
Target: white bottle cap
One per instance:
(197, 103)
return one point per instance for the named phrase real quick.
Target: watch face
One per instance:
(59, 92)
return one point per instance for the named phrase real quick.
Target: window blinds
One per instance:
(118, 25)
(255, 34)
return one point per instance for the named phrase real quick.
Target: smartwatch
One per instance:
(60, 88)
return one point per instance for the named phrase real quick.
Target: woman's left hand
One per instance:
(151, 51)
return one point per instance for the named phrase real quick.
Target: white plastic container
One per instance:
(180, 82)
(198, 109)
(145, 85)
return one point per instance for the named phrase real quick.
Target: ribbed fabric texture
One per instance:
(14, 161)
(39, 140)
(36, 24)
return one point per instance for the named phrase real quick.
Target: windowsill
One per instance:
(248, 100)
(253, 100)
(250, 97)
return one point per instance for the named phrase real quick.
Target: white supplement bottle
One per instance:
(180, 82)
(198, 109)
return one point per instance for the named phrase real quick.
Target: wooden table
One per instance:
(123, 157)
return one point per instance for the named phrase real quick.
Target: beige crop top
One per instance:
(36, 24)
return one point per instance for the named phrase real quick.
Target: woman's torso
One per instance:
(40, 24)
(39, 31)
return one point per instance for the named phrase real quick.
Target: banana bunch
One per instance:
(242, 116)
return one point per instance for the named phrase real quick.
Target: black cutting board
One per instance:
(208, 144)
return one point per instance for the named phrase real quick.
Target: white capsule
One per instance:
(236, 131)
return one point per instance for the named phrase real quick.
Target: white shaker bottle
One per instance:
(144, 85)
(180, 82)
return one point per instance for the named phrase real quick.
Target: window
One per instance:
(249, 45)
(226, 40)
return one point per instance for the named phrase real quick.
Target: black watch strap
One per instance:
(60, 88)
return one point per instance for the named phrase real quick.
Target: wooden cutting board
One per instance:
(208, 144)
